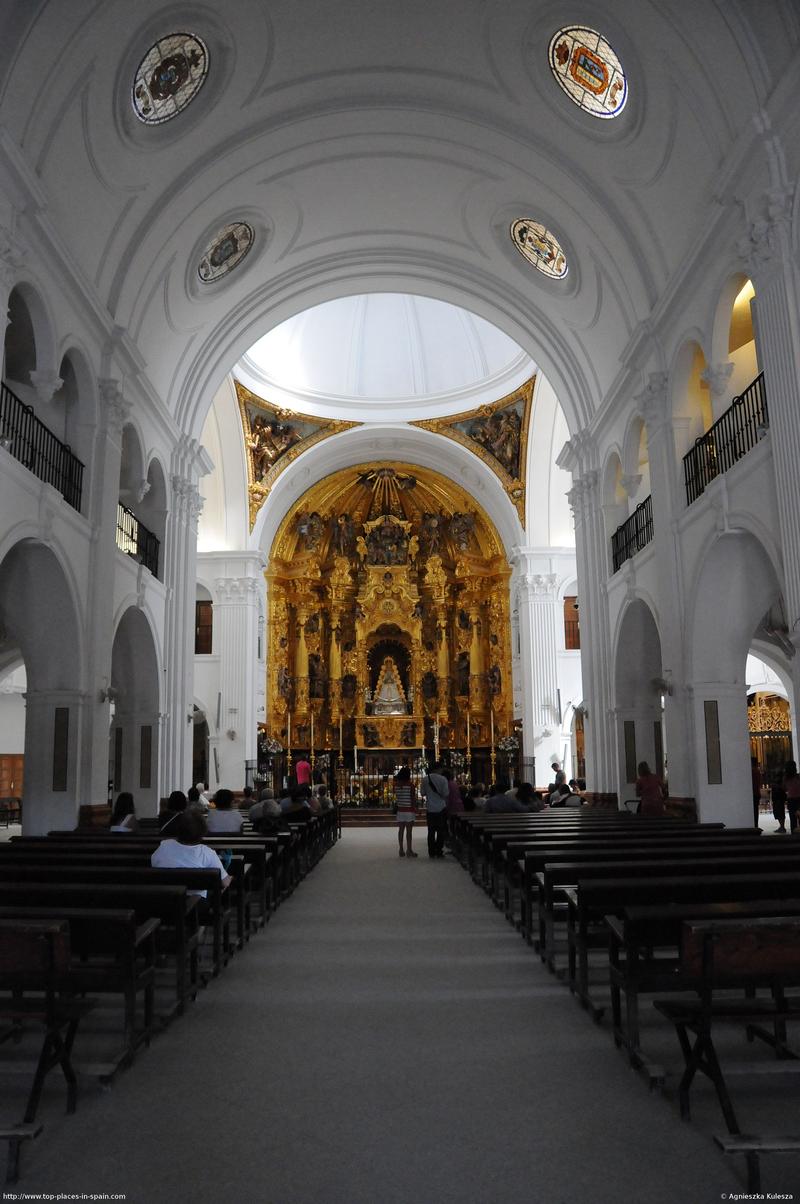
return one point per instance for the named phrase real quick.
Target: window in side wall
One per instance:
(203, 623)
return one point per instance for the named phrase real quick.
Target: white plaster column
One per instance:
(189, 462)
(728, 801)
(665, 485)
(51, 801)
(775, 274)
(104, 471)
(593, 560)
(539, 615)
(236, 614)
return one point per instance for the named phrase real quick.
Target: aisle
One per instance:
(387, 1039)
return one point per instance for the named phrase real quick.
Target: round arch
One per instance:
(638, 686)
(135, 689)
(412, 445)
(34, 587)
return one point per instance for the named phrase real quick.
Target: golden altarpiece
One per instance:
(389, 627)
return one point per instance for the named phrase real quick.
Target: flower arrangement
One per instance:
(508, 744)
(269, 745)
(457, 760)
(322, 762)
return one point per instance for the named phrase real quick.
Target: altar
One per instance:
(389, 620)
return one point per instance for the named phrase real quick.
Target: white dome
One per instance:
(384, 356)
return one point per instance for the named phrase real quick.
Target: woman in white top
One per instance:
(187, 851)
(224, 818)
(123, 817)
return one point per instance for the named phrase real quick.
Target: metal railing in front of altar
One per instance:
(732, 436)
(634, 534)
(135, 540)
(32, 443)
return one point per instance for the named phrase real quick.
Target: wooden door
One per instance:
(11, 771)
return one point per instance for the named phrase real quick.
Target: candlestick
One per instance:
(312, 733)
(289, 729)
(491, 717)
(340, 735)
(467, 730)
(355, 758)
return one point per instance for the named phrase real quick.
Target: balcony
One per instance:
(732, 436)
(634, 534)
(135, 540)
(34, 445)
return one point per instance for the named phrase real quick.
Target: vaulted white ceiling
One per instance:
(381, 148)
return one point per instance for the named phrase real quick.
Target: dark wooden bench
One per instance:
(718, 955)
(176, 936)
(34, 962)
(644, 958)
(112, 954)
(595, 898)
(529, 859)
(214, 908)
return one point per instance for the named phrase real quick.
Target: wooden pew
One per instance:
(592, 852)
(216, 908)
(594, 898)
(725, 954)
(35, 957)
(112, 954)
(130, 857)
(643, 958)
(525, 859)
(177, 935)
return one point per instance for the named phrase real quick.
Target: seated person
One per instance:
(324, 800)
(176, 805)
(566, 797)
(193, 795)
(529, 798)
(186, 851)
(555, 793)
(299, 810)
(123, 817)
(500, 801)
(478, 796)
(266, 814)
(223, 818)
(247, 798)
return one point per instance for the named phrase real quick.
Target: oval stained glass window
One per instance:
(226, 251)
(540, 247)
(169, 76)
(589, 71)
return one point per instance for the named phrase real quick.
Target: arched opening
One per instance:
(691, 399)
(133, 753)
(20, 343)
(742, 351)
(737, 567)
(134, 536)
(13, 684)
(31, 577)
(200, 749)
(639, 686)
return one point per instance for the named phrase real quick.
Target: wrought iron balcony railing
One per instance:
(739, 429)
(28, 440)
(634, 534)
(134, 539)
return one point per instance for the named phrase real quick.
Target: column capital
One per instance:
(236, 589)
(630, 483)
(652, 401)
(716, 376)
(46, 382)
(116, 409)
(767, 239)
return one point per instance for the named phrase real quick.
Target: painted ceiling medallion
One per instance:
(497, 433)
(169, 76)
(226, 251)
(589, 71)
(540, 247)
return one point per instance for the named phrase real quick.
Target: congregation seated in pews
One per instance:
(698, 921)
(144, 913)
